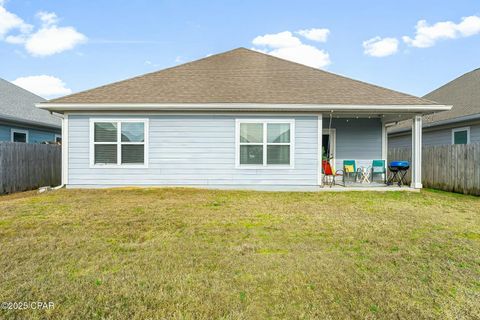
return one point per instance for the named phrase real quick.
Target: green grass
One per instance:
(199, 254)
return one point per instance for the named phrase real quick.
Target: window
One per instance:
(461, 135)
(265, 143)
(118, 143)
(18, 135)
(58, 139)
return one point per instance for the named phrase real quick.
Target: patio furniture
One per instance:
(364, 175)
(398, 171)
(349, 170)
(378, 167)
(328, 174)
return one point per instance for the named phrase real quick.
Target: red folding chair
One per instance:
(328, 174)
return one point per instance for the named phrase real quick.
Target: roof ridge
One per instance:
(221, 70)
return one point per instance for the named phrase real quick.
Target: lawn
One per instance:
(204, 254)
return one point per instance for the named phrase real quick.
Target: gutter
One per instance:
(29, 122)
(60, 107)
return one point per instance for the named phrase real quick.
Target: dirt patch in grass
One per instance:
(204, 254)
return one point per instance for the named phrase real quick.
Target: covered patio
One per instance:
(353, 147)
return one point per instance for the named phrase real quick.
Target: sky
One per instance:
(54, 48)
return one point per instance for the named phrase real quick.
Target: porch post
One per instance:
(384, 142)
(417, 152)
(320, 148)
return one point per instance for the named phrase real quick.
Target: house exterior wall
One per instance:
(435, 137)
(35, 135)
(356, 139)
(199, 150)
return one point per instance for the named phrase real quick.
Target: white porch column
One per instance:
(384, 142)
(320, 149)
(416, 164)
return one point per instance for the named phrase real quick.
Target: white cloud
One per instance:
(278, 40)
(47, 40)
(43, 85)
(52, 39)
(286, 46)
(427, 35)
(10, 22)
(48, 18)
(380, 47)
(319, 35)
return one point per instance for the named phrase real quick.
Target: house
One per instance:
(21, 121)
(240, 119)
(461, 125)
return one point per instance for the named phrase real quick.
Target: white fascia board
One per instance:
(419, 109)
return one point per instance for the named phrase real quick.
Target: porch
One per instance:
(354, 148)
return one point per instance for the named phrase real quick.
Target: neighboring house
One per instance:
(236, 119)
(461, 125)
(21, 121)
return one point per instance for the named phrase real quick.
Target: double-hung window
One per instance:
(265, 143)
(119, 143)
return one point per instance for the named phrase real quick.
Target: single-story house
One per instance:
(461, 125)
(240, 119)
(21, 121)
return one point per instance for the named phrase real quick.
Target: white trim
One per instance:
(320, 149)
(12, 131)
(384, 142)
(416, 165)
(119, 143)
(332, 132)
(461, 129)
(239, 107)
(65, 149)
(265, 143)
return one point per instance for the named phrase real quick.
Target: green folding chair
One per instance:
(378, 167)
(349, 171)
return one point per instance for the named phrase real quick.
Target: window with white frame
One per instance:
(461, 135)
(267, 143)
(119, 142)
(18, 135)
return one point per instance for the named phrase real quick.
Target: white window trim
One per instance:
(12, 131)
(118, 143)
(461, 129)
(57, 136)
(291, 122)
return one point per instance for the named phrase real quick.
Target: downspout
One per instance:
(59, 115)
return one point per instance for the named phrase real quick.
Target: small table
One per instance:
(364, 175)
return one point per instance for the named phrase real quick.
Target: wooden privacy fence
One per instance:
(25, 166)
(453, 168)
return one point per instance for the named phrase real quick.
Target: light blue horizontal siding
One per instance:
(356, 139)
(192, 150)
(34, 135)
(435, 137)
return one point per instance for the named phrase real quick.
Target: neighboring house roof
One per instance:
(17, 104)
(463, 93)
(242, 76)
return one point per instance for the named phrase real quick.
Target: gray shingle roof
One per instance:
(463, 93)
(18, 104)
(243, 76)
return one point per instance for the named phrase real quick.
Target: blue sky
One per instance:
(55, 47)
